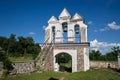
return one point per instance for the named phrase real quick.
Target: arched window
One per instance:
(65, 26)
(77, 33)
(53, 32)
(76, 29)
(65, 29)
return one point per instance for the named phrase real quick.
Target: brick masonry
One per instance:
(104, 64)
(80, 52)
(80, 59)
(23, 67)
(1, 68)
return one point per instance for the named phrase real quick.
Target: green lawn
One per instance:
(92, 74)
(21, 58)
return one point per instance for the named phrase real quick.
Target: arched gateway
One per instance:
(65, 35)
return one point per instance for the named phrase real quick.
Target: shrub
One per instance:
(4, 73)
(5, 60)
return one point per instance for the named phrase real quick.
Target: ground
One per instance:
(92, 74)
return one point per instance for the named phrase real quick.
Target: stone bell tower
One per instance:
(66, 29)
(67, 34)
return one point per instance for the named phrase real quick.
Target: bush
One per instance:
(4, 73)
(5, 60)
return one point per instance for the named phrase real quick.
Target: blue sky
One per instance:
(28, 17)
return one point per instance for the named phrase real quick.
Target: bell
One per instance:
(54, 33)
(65, 29)
(77, 31)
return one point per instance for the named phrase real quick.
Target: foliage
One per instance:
(4, 73)
(5, 60)
(27, 57)
(95, 55)
(63, 58)
(111, 56)
(20, 46)
(92, 74)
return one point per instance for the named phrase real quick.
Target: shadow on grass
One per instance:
(52, 78)
(64, 68)
(116, 70)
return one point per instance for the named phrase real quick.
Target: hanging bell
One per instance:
(53, 29)
(65, 29)
(77, 31)
(53, 33)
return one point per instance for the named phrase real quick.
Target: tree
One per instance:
(112, 56)
(4, 43)
(95, 55)
(5, 60)
(12, 44)
(63, 58)
(19, 46)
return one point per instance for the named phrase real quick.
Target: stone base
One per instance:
(1, 68)
(78, 51)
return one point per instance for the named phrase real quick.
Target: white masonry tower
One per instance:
(66, 29)
(65, 34)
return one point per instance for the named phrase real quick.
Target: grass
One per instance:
(92, 74)
(21, 58)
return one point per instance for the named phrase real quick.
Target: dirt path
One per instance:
(63, 76)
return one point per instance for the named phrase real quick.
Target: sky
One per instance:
(29, 17)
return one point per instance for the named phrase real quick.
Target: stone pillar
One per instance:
(58, 35)
(1, 68)
(71, 33)
(119, 61)
(86, 59)
(83, 31)
(47, 35)
(56, 67)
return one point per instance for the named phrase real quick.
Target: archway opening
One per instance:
(53, 33)
(77, 33)
(65, 30)
(64, 61)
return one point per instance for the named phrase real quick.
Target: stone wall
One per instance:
(119, 61)
(23, 67)
(1, 68)
(80, 58)
(80, 52)
(104, 64)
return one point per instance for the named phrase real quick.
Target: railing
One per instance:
(42, 48)
(45, 52)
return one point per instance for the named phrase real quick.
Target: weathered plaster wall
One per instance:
(104, 64)
(23, 67)
(80, 58)
(72, 53)
(119, 61)
(79, 50)
(1, 68)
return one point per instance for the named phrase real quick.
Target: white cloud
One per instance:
(103, 47)
(44, 27)
(104, 29)
(32, 33)
(95, 31)
(113, 25)
(109, 26)
(90, 22)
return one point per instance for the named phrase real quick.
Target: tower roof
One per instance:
(77, 17)
(52, 19)
(64, 14)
